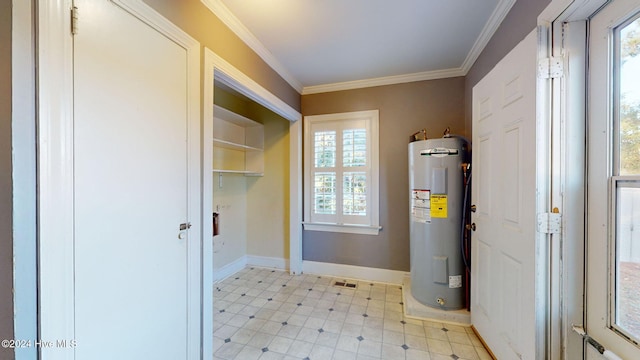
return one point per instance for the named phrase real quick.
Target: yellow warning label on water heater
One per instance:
(438, 206)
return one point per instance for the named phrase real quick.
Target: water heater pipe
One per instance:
(466, 171)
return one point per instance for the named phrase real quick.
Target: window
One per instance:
(625, 187)
(341, 172)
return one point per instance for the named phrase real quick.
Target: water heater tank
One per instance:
(436, 193)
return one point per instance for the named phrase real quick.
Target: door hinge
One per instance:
(74, 20)
(551, 68)
(550, 223)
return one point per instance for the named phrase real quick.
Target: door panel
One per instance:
(511, 301)
(483, 169)
(130, 151)
(511, 178)
(503, 261)
(483, 293)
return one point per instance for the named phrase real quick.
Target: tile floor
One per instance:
(268, 314)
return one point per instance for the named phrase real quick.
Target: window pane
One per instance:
(627, 307)
(324, 193)
(629, 64)
(354, 198)
(325, 148)
(354, 147)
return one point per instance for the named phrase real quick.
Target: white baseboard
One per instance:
(312, 267)
(268, 262)
(253, 260)
(229, 269)
(353, 272)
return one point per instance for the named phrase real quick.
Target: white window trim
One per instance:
(373, 203)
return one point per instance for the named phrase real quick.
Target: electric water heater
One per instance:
(436, 190)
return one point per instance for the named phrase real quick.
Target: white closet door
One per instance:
(503, 245)
(131, 188)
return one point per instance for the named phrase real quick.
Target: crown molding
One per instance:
(387, 80)
(232, 22)
(496, 18)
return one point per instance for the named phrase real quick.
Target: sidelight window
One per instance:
(625, 182)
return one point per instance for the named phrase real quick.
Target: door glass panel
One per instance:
(629, 97)
(627, 299)
(613, 179)
(626, 187)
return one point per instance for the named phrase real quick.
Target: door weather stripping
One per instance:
(551, 68)
(607, 354)
(550, 223)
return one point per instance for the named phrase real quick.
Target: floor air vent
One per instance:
(345, 284)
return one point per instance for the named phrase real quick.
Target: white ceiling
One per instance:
(327, 45)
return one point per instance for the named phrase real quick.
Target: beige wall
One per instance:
(404, 109)
(6, 204)
(198, 21)
(230, 201)
(268, 196)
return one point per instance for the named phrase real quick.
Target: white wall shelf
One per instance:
(238, 143)
(233, 146)
(246, 172)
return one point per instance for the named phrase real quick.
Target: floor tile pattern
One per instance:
(268, 314)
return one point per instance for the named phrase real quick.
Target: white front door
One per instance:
(613, 192)
(503, 274)
(131, 190)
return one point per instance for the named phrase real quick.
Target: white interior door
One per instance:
(130, 188)
(613, 193)
(503, 190)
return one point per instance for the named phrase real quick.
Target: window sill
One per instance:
(343, 228)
